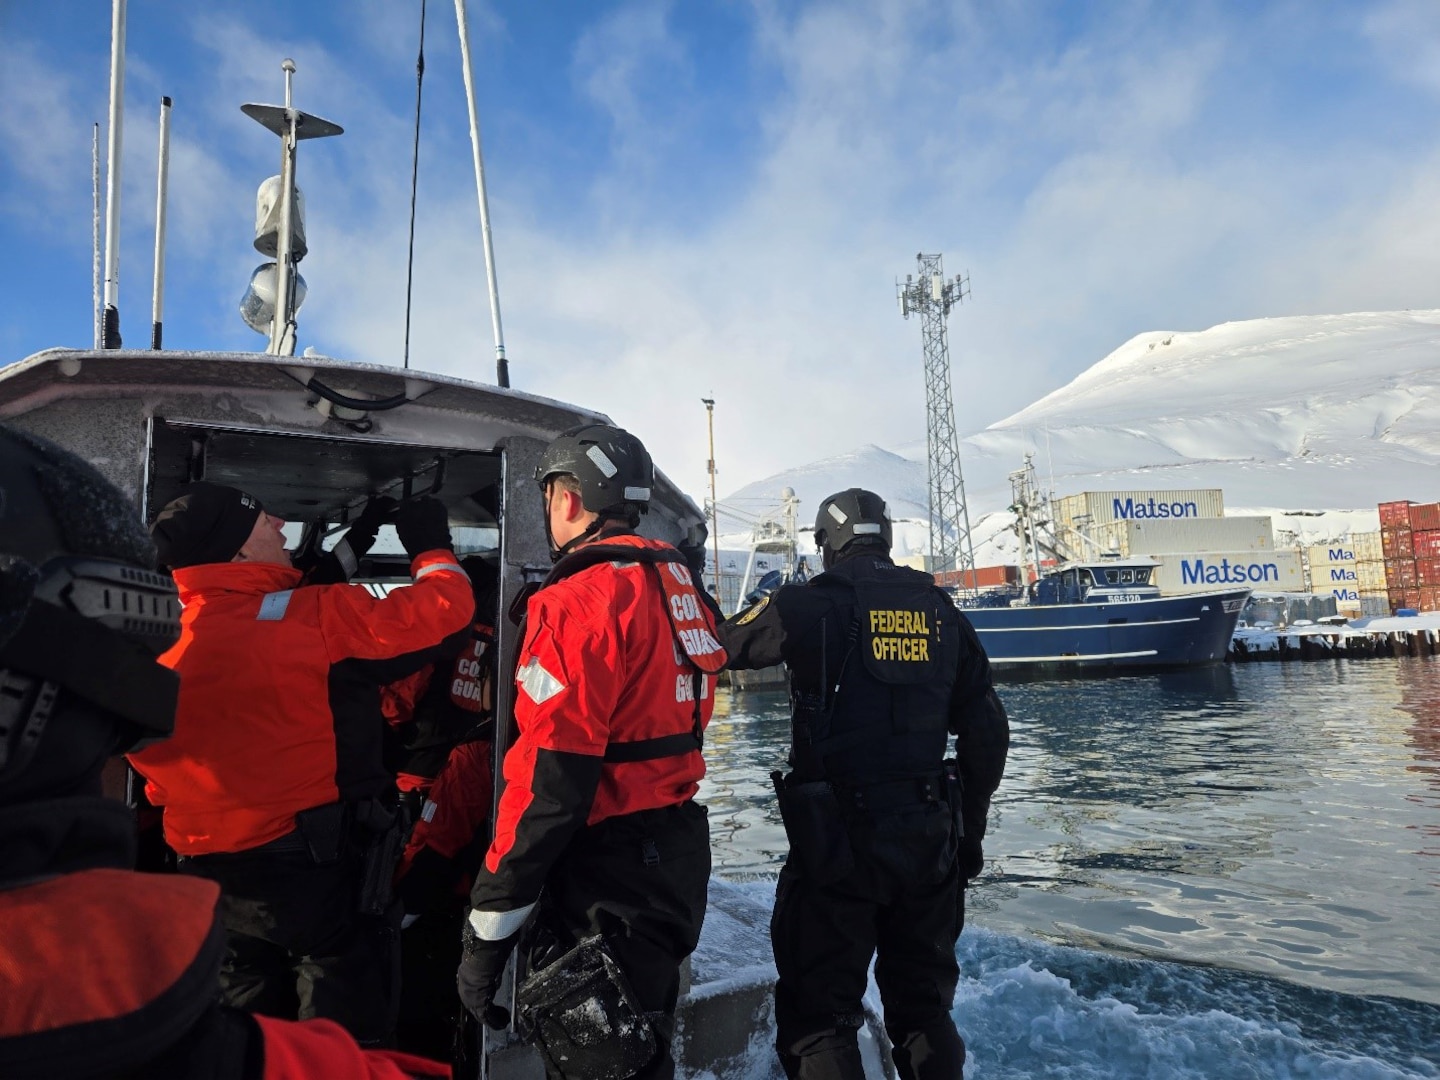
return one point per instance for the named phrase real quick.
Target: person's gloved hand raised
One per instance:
(482, 966)
(361, 534)
(423, 524)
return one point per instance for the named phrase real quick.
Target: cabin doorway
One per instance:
(320, 483)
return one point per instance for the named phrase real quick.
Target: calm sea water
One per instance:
(1228, 874)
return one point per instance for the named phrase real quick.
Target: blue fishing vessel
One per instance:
(1102, 616)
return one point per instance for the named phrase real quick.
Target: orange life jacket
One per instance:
(279, 694)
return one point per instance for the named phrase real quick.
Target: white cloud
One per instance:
(1097, 179)
(1406, 37)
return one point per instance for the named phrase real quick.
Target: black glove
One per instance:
(361, 535)
(972, 859)
(423, 524)
(482, 966)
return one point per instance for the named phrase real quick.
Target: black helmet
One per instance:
(851, 515)
(83, 615)
(612, 466)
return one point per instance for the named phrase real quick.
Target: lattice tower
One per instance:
(930, 296)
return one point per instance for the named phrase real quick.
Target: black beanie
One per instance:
(209, 523)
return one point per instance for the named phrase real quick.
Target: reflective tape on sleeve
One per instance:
(499, 925)
(432, 567)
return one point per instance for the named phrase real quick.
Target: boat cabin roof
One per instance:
(309, 436)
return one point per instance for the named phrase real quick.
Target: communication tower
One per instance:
(930, 296)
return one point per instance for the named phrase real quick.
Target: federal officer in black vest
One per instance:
(884, 829)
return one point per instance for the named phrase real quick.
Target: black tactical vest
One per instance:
(871, 696)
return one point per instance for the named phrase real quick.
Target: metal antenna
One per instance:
(502, 365)
(414, 181)
(292, 126)
(930, 296)
(162, 182)
(110, 333)
(714, 500)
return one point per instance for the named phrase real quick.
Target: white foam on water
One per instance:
(1029, 1008)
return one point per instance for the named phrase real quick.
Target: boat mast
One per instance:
(502, 366)
(282, 329)
(157, 296)
(110, 335)
(291, 125)
(714, 499)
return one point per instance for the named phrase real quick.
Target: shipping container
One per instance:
(1205, 534)
(1429, 598)
(1425, 545)
(982, 577)
(1373, 606)
(1397, 542)
(1395, 513)
(1399, 573)
(1200, 571)
(1090, 508)
(1325, 576)
(1427, 571)
(1332, 554)
(1424, 516)
(1371, 576)
(1343, 594)
(1367, 547)
(1412, 597)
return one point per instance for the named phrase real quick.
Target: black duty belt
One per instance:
(649, 749)
(887, 795)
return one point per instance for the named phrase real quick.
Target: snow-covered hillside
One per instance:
(1304, 413)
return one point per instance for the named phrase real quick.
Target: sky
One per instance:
(715, 198)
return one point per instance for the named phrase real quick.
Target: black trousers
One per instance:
(903, 901)
(296, 946)
(430, 1012)
(641, 880)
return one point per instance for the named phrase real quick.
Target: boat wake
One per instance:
(1030, 1008)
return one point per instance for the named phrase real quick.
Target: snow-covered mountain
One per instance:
(1289, 416)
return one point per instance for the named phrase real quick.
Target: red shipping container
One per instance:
(1397, 541)
(1399, 573)
(1427, 571)
(982, 577)
(1395, 598)
(1425, 516)
(1425, 545)
(1395, 513)
(1412, 598)
(1430, 598)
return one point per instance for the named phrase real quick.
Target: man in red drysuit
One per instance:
(600, 849)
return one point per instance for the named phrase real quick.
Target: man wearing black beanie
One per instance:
(210, 523)
(273, 784)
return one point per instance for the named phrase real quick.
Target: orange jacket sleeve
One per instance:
(359, 626)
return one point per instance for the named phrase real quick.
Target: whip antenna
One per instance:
(502, 366)
(414, 180)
